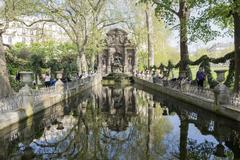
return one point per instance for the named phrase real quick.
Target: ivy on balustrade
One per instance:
(204, 61)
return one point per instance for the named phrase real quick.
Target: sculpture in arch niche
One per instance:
(119, 55)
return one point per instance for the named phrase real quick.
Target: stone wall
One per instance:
(32, 103)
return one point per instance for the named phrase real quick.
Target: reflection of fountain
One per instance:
(60, 126)
(165, 111)
(117, 122)
(121, 106)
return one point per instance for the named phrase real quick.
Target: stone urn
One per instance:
(26, 77)
(60, 126)
(221, 91)
(220, 75)
(59, 84)
(185, 86)
(59, 75)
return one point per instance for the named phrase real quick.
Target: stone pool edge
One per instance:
(226, 111)
(10, 118)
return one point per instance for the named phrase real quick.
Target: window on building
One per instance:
(23, 31)
(9, 40)
(24, 40)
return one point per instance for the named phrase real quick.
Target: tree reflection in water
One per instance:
(123, 123)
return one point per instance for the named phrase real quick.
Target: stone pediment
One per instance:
(117, 37)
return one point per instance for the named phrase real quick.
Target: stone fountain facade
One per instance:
(119, 55)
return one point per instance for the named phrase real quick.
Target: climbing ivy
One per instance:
(230, 77)
(204, 62)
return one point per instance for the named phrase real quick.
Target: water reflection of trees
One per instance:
(106, 128)
(121, 123)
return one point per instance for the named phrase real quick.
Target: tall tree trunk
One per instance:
(149, 32)
(36, 79)
(183, 16)
(84, 64)
(236, 17)
(5, 88)
(183, 138)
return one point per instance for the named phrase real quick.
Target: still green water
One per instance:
(122, 123)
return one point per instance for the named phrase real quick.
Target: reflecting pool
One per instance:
(122, 123)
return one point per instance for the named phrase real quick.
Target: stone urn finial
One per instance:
(26, 77)
(220, 75)
(59, 75)
(59, 84)
(221, 91)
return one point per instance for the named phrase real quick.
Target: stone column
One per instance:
(26, 94)
(221, 91)
(134, 62)
(99, 63)
(59, 86)
(125, 65)
(79, 65)
(25, 91)
(109, 59)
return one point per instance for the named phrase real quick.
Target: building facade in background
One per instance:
(39, 32)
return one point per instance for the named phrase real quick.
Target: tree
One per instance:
(149, 33)
(137, 28)
(173, 11)
(79, 19)
(4, 81)
(236, 17)
(9, 9)
(226, 13)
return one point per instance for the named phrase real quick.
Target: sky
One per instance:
(193, 47)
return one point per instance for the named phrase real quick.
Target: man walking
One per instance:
(200, 77)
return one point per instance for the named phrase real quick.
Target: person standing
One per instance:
(47, 80)
(18, 76)
(200, 77)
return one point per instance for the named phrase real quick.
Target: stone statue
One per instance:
(117, 58)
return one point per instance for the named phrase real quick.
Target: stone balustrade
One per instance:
(186, 87)
(37, 97)
(235, 100)
(11, 103)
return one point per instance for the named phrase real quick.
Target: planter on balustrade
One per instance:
(59, 84)
(221, 91)
(165, 82)
(185, 86)
(59, 75)
(26, 78)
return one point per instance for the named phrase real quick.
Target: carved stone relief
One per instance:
(117, 57)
